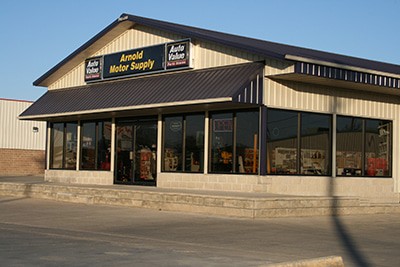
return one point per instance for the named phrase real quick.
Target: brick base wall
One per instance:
(79, 177)
(21, 162)
(217, 182)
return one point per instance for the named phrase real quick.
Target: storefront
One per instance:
(147, 102)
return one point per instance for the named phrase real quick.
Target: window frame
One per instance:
(363, 148)
(96, 159)
(64, 145)
(183, 117)
(234, 141)
(299, 146)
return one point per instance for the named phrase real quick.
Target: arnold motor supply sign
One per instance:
(139, 61)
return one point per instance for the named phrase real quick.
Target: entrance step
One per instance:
(246, 205)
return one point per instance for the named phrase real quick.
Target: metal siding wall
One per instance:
(274, 66)
(208, 55)
(16, 134)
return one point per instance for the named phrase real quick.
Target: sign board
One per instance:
(135, 61)
(158, 58)
(178, 55)
(93, 69)
(223, 125)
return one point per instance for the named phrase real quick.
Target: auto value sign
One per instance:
(177, 55)
(93, 69)
(139, 61)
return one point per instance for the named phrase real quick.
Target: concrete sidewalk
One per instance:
(36, 232)
(237, 204)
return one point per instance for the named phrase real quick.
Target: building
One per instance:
(148, 102)
(22, 143)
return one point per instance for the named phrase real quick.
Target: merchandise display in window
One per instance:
(228, 156)
(283, 160)
(64, 145)
(363, 147)
(96, 145)
(136, 156)
(170, 160)
(183, 143)
(313, 161)
(377, 148)
(298, 142)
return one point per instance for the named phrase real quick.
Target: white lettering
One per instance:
(176, 56)
(93, 63)
(178, 48)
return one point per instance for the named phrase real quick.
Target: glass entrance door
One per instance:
(136, 152)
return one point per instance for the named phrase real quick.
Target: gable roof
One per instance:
(256, 46)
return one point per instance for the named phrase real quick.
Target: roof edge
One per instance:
(257, 46)
(340, 66)
(127, 108)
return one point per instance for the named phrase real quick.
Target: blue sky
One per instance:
(36, 35)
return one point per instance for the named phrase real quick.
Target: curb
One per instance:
(331, 261)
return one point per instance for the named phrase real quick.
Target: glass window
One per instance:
(282, 127)
(377, 148)
(349, 143)
(298, 142)
(63, 145)
(57, 142)
(315, 144)
(247, 142)
(222, 142)
(95, 145)
(184, 143)
(103, 145)
(88, 146)
(194, 143)
(363, 147)
(124, 152)
(70, 145)
(234, 142)
(173, 143)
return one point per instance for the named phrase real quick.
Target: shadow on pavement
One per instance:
(11, 199)
(344, 234)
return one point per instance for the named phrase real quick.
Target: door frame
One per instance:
(134, 122)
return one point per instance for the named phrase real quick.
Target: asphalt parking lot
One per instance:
(37, 232)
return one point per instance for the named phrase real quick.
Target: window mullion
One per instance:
(298, 158)
(364, 136)
(234, 143)
(96, 146)
(184, 144)
(64, 146)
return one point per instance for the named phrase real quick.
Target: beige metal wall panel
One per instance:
(16, 134)
(290, 96)
(137, 37)
(274, 67)
(206, 55)
(71, 79)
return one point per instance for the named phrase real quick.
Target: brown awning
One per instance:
(239, 83)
